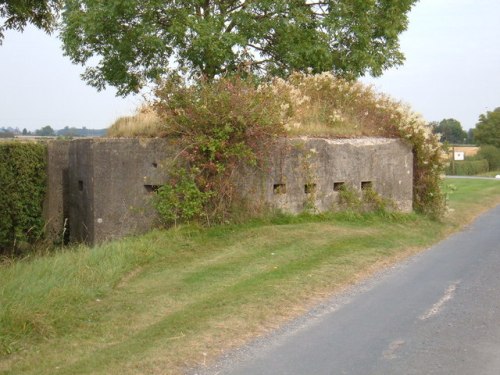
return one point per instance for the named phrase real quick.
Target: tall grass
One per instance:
(145, 123)
(154, 303)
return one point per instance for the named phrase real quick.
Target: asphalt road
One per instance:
(437, 313)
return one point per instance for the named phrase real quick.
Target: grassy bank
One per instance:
(155, 303)
(490, 174)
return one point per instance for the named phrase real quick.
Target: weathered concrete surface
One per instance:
(307, 173)
(104, 186)
(55, 207)
(112, 182)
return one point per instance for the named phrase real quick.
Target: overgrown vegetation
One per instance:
(351, 201)
(22, 190)
(325, 105)
(225, 122)
(220, 125)
(181, 199)
(154, 303)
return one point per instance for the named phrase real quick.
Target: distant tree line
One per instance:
(486, 131)
(486, 134)
(48, 131)
(451, 131)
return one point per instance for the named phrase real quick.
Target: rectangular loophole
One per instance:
(366, 185)
(309, 188)
(150, 189)
(338, 186)
(279, 188)
(80, 185)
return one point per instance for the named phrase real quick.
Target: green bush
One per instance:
(468, 167)
(181, 199)
(220, 125)
(22, 190)
(492, 154)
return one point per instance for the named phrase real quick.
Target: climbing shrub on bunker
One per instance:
(220, 125)
(230, 121)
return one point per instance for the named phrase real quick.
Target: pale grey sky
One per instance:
(452, 67)
(451, 71)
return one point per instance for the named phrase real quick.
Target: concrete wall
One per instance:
(307, 173)
(112, 182)
(105, 186)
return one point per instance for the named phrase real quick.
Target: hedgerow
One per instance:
(491, 154)
(22, 191)
(468, 167)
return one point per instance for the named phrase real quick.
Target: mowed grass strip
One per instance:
(160, 302)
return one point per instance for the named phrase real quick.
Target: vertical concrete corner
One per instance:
(112, 182)
(56, 204)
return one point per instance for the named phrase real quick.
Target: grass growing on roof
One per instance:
(145, 123)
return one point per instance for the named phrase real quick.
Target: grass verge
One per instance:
(157, 303)
(490, 174)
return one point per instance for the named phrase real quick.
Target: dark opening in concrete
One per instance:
(154, 164)
(366, 185)
(279, 188)
(309, 188)
(338, 186)
(150, 189)
(80, 185)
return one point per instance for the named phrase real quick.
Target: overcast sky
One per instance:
(452, 70)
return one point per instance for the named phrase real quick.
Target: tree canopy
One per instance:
(16, 14)
(136, 40)
(487, 131)
(451, 131)
(46, 131)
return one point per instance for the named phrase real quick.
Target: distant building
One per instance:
(462, 152)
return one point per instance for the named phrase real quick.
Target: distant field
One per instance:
(156, 303)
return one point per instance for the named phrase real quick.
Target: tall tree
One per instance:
(487, 131)
(137, 39)
(451, 131)
(16, 14)
(470, 137)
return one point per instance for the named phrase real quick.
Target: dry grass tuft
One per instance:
(320, 105)
(145, 123)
